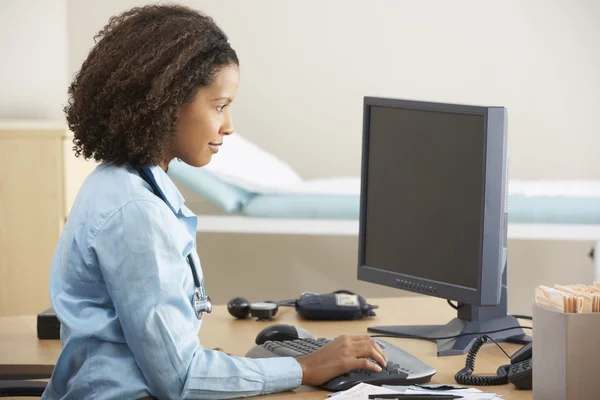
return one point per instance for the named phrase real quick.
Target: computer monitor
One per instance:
(433, 213)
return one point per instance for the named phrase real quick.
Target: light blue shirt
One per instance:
(123, 291)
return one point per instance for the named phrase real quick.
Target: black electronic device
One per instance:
(402, 368)
(281, 333)
(433, 214)
(518, 372)
(48, 325)
(240, 307)
(339, 305)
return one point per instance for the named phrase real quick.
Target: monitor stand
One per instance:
(470, 319)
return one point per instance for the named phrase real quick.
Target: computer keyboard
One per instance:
(402, 368)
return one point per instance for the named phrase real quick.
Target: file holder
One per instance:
(566, 355)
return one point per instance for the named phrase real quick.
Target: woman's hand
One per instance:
(344, 354)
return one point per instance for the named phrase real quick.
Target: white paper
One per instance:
(361, 392)
(467, 394)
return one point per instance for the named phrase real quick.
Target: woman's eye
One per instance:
(221, 107)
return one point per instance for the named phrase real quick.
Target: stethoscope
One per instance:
(202, 303)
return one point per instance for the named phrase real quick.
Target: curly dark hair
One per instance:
(123, 103)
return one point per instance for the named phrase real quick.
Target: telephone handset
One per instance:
(521, 363)
(518, 372)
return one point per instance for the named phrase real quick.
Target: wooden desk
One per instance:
(20, 348)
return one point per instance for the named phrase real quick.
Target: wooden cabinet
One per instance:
(32, 211)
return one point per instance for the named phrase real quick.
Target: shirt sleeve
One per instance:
(142, 264)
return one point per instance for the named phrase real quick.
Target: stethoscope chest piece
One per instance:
(202, 304)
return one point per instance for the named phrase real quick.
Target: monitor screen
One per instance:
(416, 224)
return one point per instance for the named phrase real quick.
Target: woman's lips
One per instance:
(214, 147)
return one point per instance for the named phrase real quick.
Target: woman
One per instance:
(156, 86)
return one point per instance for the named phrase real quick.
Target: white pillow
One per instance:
(245, 165)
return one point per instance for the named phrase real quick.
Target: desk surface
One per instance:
(20, 348)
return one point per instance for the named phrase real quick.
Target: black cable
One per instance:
(450, 337)
(492, 339)
(287, 303)
(512, 315)
(452, 305)
(522, 316)
(465, 375)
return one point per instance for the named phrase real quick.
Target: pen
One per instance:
(400, 396)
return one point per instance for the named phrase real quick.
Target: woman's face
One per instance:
(205, 120)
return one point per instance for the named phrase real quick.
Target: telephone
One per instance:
(337, 306)
(521, 363)
(518, 372)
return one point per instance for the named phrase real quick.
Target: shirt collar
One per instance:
(169, 191)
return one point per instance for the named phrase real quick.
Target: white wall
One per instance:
(306, 65)
(33, 59)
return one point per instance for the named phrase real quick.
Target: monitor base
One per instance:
(457, 346)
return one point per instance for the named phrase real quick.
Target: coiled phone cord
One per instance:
(465, 375)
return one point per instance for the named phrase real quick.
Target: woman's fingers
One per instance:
(369, 351)
(364, 363)
(372, 343)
